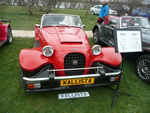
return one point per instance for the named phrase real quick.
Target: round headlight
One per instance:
(48, 51)
(96, 49)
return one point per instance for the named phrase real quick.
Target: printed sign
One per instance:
(128, 41)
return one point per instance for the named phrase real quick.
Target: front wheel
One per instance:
(96, 36)
(143, 68)
(9, 36)
(92, 12)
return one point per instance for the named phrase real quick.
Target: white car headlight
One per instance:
(48, 51)
(96, 49)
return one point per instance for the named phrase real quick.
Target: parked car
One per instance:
(96, 9)
(135, 11)
(144, 12)
(62, 57)
(105, 34)
(5, 32)
(121, 9)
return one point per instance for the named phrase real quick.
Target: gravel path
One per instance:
(30, 34)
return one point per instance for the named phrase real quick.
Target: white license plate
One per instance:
(73, 95)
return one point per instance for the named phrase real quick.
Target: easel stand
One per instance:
(117, 92)
(124, 40)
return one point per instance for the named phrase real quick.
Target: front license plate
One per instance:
(81, 81)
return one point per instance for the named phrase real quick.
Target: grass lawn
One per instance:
(21, 20)
(13, 99)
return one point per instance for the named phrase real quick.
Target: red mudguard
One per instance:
(32, 59)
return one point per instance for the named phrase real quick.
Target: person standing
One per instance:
(103, 15)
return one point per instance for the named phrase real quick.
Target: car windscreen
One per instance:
(61, 20)
(135, 22)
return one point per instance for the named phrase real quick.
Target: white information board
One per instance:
(128, 40)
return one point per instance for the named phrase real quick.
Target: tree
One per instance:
(133, 3)
(30, 4)
(48, 4)
(19, 2)
(89, 5)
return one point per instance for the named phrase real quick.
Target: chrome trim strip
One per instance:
(70, 77)
(77, 76)
(113, 73)
(35, 79)
(76, 69)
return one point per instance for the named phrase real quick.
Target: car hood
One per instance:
(146, 31)
(61, 37)
(65, 34)
(146, 38)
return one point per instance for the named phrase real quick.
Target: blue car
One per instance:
(135, 11)
(145, 13)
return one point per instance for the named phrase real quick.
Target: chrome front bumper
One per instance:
(116, 73)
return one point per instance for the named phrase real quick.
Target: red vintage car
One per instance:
(5, 32)
(62, 57)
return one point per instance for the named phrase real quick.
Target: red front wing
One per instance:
(32, 59)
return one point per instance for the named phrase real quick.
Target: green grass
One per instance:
(22, 20)
(13, 99)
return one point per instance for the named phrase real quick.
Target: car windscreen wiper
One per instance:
(49, 25)
(75, 26)
(62, 25)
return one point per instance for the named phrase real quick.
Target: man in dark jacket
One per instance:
(103, 13)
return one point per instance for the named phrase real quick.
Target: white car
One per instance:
(96, 9)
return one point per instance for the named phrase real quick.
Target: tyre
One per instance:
(143, 68)
(92, 12)
(24, 85)
(96, 37)
(9, 36)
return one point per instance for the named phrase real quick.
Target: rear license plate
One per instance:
(81, 81)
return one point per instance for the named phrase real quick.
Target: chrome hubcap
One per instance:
(144, 69)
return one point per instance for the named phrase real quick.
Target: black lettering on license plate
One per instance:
(81, 81)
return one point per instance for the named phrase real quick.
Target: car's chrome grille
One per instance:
(74, 60)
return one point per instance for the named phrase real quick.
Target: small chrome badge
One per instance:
(75, 62)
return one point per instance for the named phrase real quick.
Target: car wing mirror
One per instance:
(37, 25)
(83, 26)
(112, 25)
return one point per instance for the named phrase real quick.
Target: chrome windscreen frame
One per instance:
(42, 18)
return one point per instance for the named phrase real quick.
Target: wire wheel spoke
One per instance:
(95, 36)
(144, 69)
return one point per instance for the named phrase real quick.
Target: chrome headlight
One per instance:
(48, 51)
(96, 49)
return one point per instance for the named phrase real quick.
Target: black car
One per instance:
(121, 9)
(105, 34)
